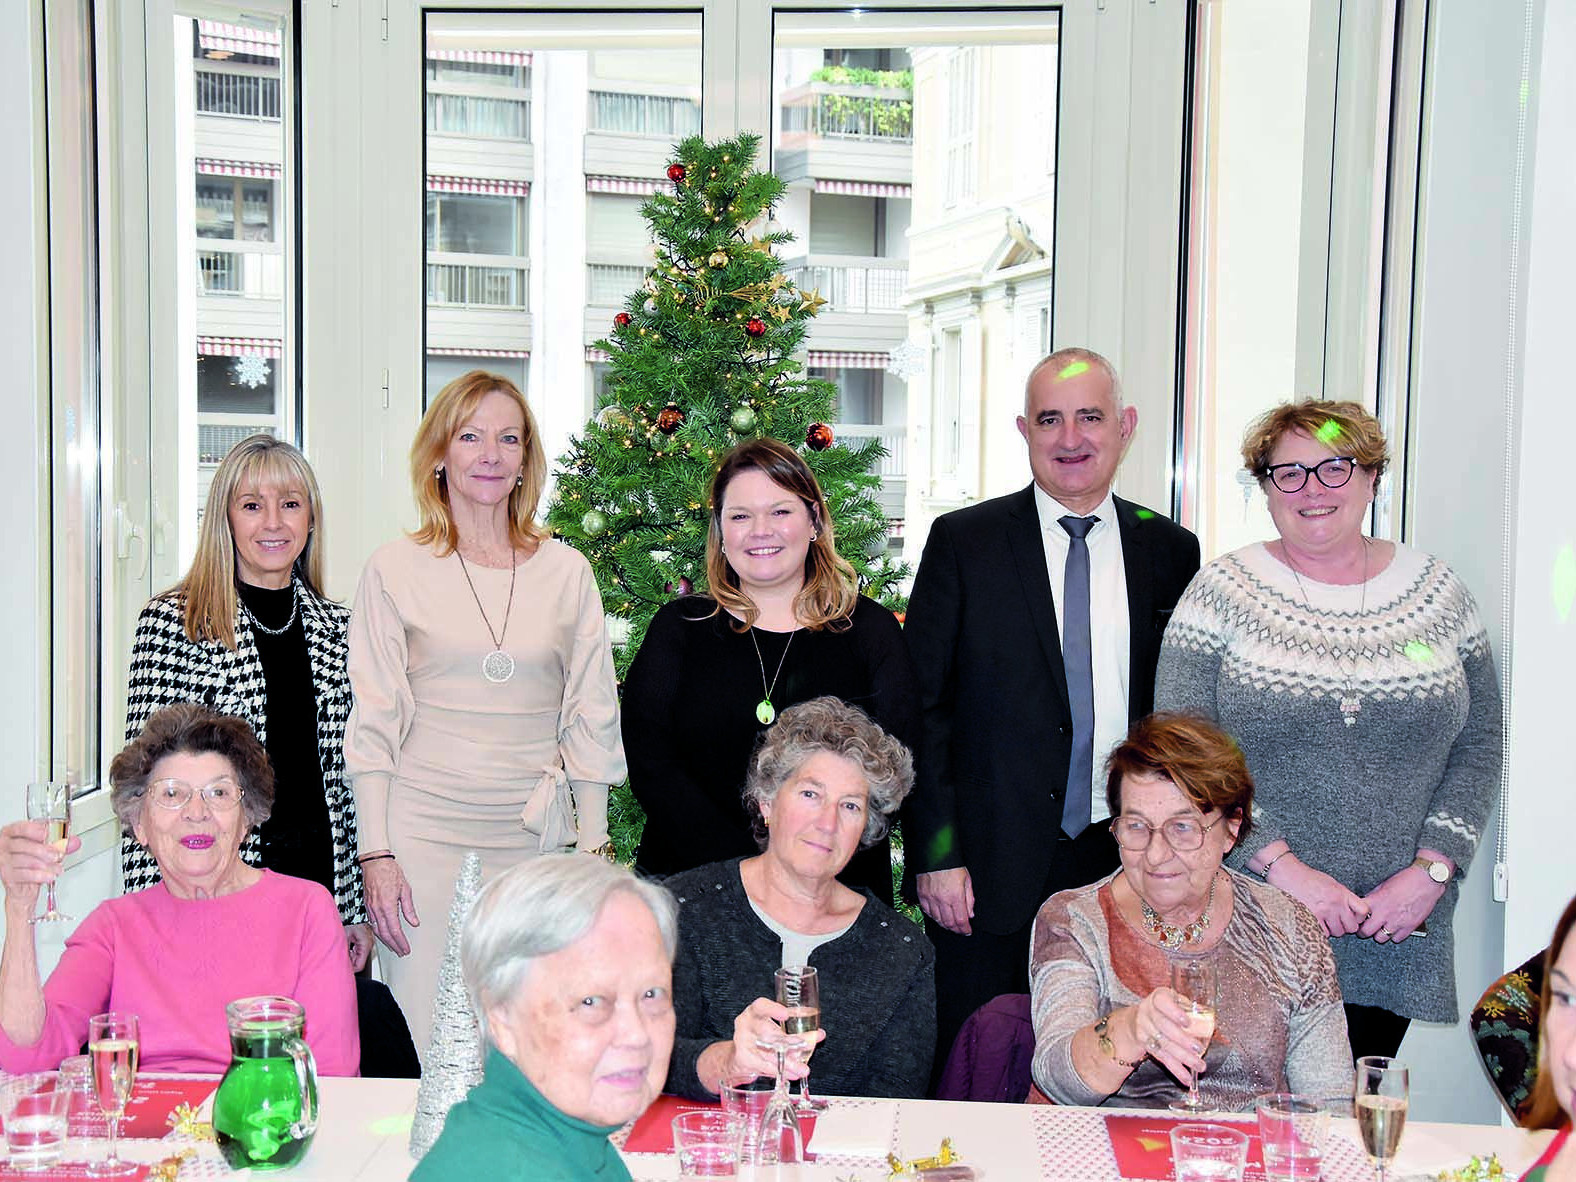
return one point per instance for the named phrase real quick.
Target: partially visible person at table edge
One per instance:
(1357, 676)
(247, 632)
(783, 623)
(212, 928)
(825, 781)
(1107, 1025)
(568, 961)
(486, 713)
(1554, 1093)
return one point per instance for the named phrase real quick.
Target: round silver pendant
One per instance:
(497, 666)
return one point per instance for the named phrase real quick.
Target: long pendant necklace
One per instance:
(1351, 703)
(295, 607)
(764, 710)
(1173, 936)
(497, 666)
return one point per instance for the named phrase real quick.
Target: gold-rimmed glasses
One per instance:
(1181, 833)
(222, 794)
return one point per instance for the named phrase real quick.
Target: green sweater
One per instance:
(505, 1130)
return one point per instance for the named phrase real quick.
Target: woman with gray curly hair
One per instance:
(189, 788)
(825, 781)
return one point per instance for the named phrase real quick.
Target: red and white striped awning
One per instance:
(260, 170)
(216, 35)
(863, 188)
(447, 352)
(491, 57)
(474, 184)
(595, 355)
(239, 347)
(835, 359)
(629, 185)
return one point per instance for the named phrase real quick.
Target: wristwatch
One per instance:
(1438, 871)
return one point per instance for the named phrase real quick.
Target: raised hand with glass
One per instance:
(51, 803)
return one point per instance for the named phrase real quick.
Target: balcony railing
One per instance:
(247, 273)
(476, 286)
(470, 114)
(851, 285)
(619, 113)
(611, 283)
(827, 111)
(241, 96)
(894, 465)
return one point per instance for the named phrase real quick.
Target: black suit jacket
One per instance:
(991, 769)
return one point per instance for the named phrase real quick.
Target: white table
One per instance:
(365, 1127)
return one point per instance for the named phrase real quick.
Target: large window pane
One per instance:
(545, 132)
(919, 152)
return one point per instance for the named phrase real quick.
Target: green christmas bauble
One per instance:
(594, 522)
(742, 420)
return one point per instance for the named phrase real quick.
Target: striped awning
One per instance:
(629, 185)
(261, 170)
(491, 57)
(595, 355)
(447, 352)
(862, 188)
(224, 38)
(239, 347)
(476, 184)
(835, 359)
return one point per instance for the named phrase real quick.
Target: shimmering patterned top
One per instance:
(1279, 1024)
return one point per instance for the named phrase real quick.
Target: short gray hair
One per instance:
(829, 724)
(187, 728)
(540, 907)
(1075, 355)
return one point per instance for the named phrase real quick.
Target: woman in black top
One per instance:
(248, 632)
(784, 623)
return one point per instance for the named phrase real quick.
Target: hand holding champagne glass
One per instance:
(51, 803)
(799, 988)
(1194, 982)
(113, 1045)
(1380, 1103)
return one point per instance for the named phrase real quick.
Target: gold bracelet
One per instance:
(1106, 1045)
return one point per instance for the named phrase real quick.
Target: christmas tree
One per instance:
(702, 357)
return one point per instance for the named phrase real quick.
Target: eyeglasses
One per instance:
(1332, 473)
(222, 794)
(1181, 833)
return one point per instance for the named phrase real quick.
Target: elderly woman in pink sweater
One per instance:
(189, 788)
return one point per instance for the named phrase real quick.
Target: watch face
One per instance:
(1439, 872)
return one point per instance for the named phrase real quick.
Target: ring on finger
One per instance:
(1154, 1042)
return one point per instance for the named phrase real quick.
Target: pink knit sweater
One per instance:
(175, 963)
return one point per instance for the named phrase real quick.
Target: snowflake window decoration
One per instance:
(906, 360)
(249, 370)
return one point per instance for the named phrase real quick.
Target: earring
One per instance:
(814, 535)
(519, 480)
(437, 473)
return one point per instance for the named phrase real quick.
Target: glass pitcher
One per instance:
(265, 1111)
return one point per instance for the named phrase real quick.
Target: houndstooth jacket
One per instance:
(167, 668)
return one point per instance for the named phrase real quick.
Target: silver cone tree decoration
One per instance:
(453, 1063)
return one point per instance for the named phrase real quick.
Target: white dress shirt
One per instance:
(1110, 638)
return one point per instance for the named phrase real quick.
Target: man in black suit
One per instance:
(989, 832)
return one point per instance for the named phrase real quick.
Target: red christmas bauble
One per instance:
(755, 327)
(622, 319)
(670, 418)
(676, 173)
(818, 437)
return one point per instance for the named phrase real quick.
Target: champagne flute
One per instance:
(113, 1045)
(1380, 1101)
(779, 1140)
(799, 988)
(1194, 982)
(51, 802)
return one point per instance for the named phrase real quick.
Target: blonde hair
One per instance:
(831, 588)
(208, 588)
(1346, 428)
(453, 405)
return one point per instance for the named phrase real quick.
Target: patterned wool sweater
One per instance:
(1271, 660)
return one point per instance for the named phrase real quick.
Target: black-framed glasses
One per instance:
(1332, 473)
(1181, 833)
(222, 794)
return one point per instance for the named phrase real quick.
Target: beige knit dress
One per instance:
(443, 761)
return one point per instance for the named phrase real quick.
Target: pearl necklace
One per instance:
(1173, 936)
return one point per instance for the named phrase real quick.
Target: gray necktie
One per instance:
(1078, 662)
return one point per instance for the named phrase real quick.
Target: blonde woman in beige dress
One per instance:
(486, 714)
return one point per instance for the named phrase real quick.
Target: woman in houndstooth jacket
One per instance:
(248, 632)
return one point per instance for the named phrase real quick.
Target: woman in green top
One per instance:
(569, 963)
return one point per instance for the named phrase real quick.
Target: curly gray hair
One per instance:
(189, 729)
(832, 725)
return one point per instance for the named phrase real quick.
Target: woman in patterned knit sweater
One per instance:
(1107, 1026)
(1357, 676)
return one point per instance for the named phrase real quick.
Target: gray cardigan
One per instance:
(878, 988)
